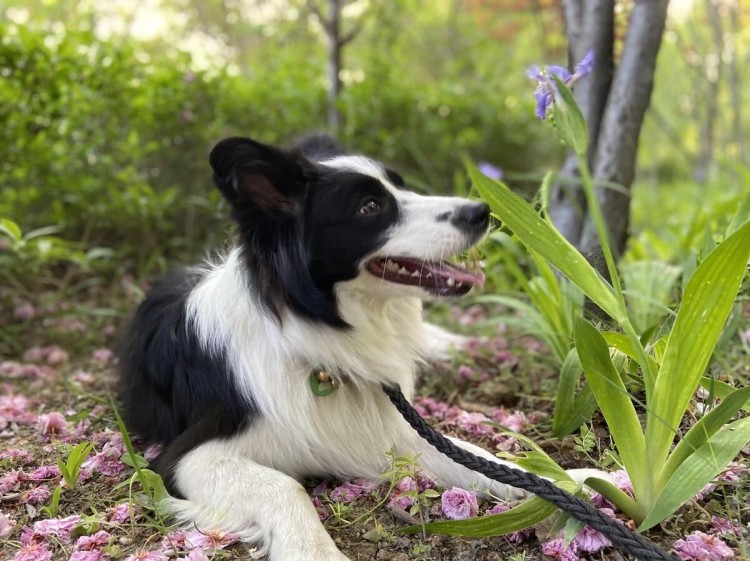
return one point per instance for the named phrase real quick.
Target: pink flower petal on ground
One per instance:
(197, 555)
(320, 508)
(144, 555)
(472, 423)
(33, 354)
(24, 311)
(44, 473)
(6, 526)
(399, 498)
(121, 513)
(12, 480)
(458, 504)
(211, 539)
(94, 541)
(514, 537)
(588, 539)
(722, 526)
(14, 408)
(35, 551)
(699, 546)
(621, 479)
(36, 495)
(558, 550)
(55, 355)
(60, 528)
(102, 355)
(17, 456)
(92, 555)
(52, 423)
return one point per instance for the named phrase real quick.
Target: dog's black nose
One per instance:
(472, 217)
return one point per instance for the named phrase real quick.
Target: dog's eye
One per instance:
(370, 206)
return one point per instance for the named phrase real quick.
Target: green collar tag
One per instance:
(321, 382)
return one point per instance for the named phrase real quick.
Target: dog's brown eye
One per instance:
(370, 207)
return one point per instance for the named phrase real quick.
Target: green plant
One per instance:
(665, 481)
(663, 476)
(71, 468)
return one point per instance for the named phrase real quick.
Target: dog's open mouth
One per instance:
(442, 278)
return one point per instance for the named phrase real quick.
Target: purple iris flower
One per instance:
(546, 90)
(491, 171)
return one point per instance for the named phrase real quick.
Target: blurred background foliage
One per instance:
(109, 108)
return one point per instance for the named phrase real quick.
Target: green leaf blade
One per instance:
(542, 238)
(614, 402)
(699, 468)
(707, 302)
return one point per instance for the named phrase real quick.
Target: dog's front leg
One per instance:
(227, 491)
(449, 474)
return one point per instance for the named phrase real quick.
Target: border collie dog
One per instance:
(332, 262)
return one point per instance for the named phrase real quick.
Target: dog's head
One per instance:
(306, 226)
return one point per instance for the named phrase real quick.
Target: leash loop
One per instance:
(621, 537)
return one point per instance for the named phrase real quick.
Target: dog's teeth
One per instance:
(403, 271)
(459, 285)
(415, 274)
(429, 275)
(391, 266)
(450, 282)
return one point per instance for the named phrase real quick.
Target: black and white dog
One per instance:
(333, 259)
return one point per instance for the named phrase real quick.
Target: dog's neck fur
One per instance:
(223, 313)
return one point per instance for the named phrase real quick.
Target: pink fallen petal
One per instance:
(55, 355)
(558, 550)
(102, 355)
(12, 480)
(24, 311)
(36, 495)
(210, 539)
(121, 513)
(33, 354)
(17, 456)
(700, 546)
(94, 541)
(473, 423)
(197, 555)
(92, 555)
(60, 528)
(591, 540)
(52, 423)
(34, 551)
(144, 555)
(6, 526)
(459, 504)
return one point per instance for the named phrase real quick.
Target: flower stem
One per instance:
(603, 234)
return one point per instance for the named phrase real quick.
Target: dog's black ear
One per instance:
(248, 172)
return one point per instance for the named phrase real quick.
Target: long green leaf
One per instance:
(704, 429)
(616, 496)
(529, 512)
(721, 390)
(541, 237)
(706, 304)
(571, 410)
(614, 401)
(699, 468)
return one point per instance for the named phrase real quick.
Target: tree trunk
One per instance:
(592, 30)
(334, 65)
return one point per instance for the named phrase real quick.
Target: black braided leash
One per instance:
(623, 538)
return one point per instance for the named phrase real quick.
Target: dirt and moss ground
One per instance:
(55, 358)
